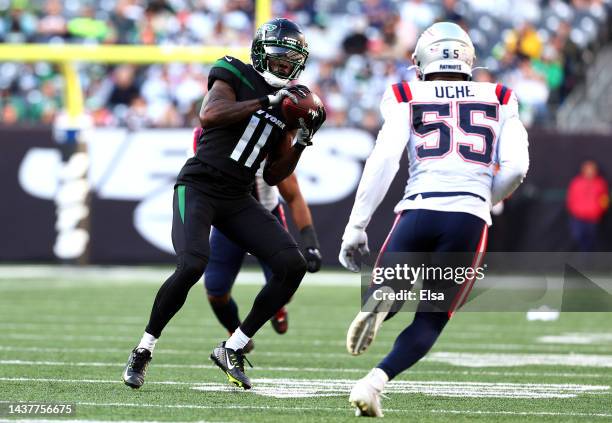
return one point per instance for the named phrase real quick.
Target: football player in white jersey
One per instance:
(467, 150)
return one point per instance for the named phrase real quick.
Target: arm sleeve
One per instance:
(383, 163)
(227, 69)
(512, 153)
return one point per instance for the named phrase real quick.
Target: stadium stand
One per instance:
(542, 49)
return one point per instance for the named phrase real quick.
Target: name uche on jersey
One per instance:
(454, 132)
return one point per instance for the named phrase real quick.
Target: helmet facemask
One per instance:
(280, 64)
(279, 52)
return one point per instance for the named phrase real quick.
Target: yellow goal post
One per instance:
(66, 55)
(73, 237)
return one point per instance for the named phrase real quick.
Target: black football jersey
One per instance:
(227, 157)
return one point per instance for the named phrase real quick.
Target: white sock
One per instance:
(237, 340)
(378, 378)
(148, 342)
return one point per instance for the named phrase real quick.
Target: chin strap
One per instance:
(274, 80)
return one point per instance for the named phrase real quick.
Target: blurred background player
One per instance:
(226, 257)
(455, 131)
(587, 202)
(241, 127)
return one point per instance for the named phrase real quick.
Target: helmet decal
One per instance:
(444, 47)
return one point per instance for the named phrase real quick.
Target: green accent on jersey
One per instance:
(181, 201)
(233, 69)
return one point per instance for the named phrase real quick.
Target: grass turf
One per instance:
(67, 342)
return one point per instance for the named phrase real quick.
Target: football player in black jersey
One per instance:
(242, 125)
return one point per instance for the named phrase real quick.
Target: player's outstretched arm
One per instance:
(512, 153)
(290, 190)
(378, 173)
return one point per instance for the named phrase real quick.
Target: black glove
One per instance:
(310, 249)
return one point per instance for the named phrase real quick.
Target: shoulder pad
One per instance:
(402, 92)
(503, 94)
(230, 69)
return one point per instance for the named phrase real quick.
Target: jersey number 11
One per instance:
(250, 142)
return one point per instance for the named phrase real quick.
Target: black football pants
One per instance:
(247, 223)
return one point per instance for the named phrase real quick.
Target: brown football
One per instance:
(307, 107)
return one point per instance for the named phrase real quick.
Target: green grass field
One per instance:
(65, 338)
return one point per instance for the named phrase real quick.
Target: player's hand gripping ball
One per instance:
(308, 113)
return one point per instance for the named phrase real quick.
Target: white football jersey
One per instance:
(466, 146)
(267, 195)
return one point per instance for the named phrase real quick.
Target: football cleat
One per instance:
(280, 321)
(365, 397)
(365, 326)
(136, 368)
(232, 364)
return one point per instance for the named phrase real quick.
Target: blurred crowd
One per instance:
(537, 47)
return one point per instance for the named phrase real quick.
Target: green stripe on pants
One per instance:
(181, 201)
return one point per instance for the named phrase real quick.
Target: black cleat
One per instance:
(232, 363)
(136, 368)
(280, 321)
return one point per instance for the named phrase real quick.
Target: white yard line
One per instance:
(363, 370)
(469, 359)
(577, 338)
(305, 388)
(520, 413)
(297, 409)
(274, 340)
(87, 319)
(73, 276)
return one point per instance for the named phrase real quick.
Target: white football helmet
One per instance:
(444, 47)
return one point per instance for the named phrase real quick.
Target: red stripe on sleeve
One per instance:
(498, 89)
(407, 90)
(396, 91)
(506, 98)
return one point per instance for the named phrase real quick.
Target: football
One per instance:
(307, 107)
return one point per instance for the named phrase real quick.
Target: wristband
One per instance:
(309, 237)
(264, 101)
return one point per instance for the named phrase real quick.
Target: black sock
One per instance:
(288, 268)
(227, 314)
(173, 293)
(269, 300)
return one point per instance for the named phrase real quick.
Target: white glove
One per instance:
(278, 96)
(354, 240)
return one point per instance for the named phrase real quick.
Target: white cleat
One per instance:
(365, 326)
(366, 399)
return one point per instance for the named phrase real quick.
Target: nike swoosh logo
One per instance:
(230, 366)
(229, 59)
